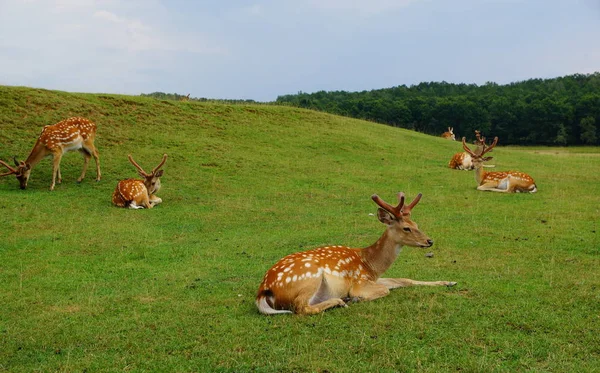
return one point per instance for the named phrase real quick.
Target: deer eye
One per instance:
(406, 229)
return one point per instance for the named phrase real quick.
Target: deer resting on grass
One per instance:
(136, 193)
(449, 134)
(498, 181)
(463, 160)
(313, 281)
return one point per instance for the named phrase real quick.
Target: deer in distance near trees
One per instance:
(313, 281)
(449, 134)
(55, 140)
(498, 181)
(136, 193)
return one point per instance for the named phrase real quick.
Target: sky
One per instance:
(261, 49)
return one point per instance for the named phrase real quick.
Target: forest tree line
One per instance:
(558, 111)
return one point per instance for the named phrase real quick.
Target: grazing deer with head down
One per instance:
(449, 134)
(55, 140)
(313, 281)
(137, 194)
(185, 98)
(498, 181)
(463, 160)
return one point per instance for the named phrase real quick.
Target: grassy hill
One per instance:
(90, 287)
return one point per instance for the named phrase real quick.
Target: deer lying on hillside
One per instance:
(137, 194)
(313, 281)
(463, 160)
(449, 134)
(498, 181)
(55, 140)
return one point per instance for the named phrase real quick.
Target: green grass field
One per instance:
(90, 287)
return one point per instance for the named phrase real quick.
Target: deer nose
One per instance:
(430, 242)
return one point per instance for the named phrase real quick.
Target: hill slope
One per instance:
(90, 286)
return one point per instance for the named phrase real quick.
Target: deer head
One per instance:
(478, 155)
(21, 172)
(397, 218)
(152, 179)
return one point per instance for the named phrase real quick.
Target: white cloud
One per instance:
(365, 7)
(108, 16)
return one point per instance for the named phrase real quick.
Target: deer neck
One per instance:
(382, 254)
(38, 153)
(479, 171)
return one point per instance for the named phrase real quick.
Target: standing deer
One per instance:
(313, 281)
(55, 140)
(449, 134)
(498, 181)
(137, 194)
(463, 160)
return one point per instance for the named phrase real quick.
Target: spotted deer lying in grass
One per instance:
(463, 160)
(55, 140)
(313, 281)
(137, 194)
(449, 134)
(498, 181)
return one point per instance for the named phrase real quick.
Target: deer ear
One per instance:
(27, 166)
(485, 159)
(385, 217)
(159, 173)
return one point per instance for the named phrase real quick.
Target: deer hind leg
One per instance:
(502, 187)
(393, 283)
(320, 307)
(135, 206)
(86, 161)
(59, 180)
(319, 301)
(90, 148)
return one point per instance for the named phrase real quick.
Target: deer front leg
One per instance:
(57, 156)
(155, 200)
(368, 291)
(393, 283)
(59, 176)
(146, 202)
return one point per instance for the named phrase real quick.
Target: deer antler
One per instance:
(11, 170)
(140, 169)
(483, 150)
(164, 159)
(396, 211)
(480, 139)
(400, 210)
(406, 210)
